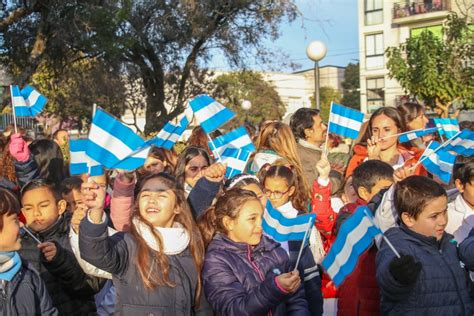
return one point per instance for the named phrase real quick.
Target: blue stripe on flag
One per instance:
(170, 133)
(209, 113)
(237, 138)
(18, 102)
(236, 160)
(282, 229)
(416, 134)
(355, 236)
(449, 127)
(216, 121)
(440, 163)
(116, 128)
(343, 131)
(345, 121)
(201, 102)
(115, 145)
(462, 144)
(35, 100)
(78, 151)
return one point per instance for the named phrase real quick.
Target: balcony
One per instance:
(407, 12)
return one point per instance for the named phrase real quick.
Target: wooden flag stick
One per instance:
(303, 243)
(325, 150)
(383, 235)
(13, 110)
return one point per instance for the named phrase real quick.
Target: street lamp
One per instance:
(316, 51)
(246, 106)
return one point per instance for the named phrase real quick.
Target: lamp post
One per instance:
(246, 106)
(316, 51)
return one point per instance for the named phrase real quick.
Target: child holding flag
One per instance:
(21, 288)
(427, 278)
(156, 265)
(246, 273)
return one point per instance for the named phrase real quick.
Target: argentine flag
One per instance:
(344, 121)
(115, 145)
(438, 161)
(354, 238)
(238, 138)
(170, 134)
(28, 101)
(81, 163)
(411, 135)
(209, 113)
(236, 160)
(448, 127)
(462, 143)
(282, 229)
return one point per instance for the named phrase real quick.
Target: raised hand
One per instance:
(215, 172)
(323, 167)
(373, 148)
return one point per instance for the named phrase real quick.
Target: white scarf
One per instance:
(175, 239)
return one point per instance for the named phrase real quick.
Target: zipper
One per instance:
(256, 269)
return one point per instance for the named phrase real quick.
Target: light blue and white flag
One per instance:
(28, 101)
(81, 163)
(411, 135)
(170, 134)
(282, 229)
(439, 162)
(209, 113)
(238, 138)
(354, 238)
(448, 127)
(462, 143)
(344, 121)
(236, 160)
(115, 145)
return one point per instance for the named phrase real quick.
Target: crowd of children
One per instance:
(176, 237)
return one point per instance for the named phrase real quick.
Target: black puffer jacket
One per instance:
(117, 254)
(71, 290)
(26, 294)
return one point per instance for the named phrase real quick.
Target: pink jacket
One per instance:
(121, 207)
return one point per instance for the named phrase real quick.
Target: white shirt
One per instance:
(460, 219)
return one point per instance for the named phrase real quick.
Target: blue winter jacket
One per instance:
(26, 294)
(466, 251)
(442, 285)
(240, 280)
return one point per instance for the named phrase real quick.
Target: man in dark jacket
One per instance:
(71, 290)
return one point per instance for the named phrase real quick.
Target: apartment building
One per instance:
(387, 23)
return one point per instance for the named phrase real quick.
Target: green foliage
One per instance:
(167, 43)
(327, 95)
(437, 71)
(351, 86)
(233, 88)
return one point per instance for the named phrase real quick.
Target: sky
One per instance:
(333, 22)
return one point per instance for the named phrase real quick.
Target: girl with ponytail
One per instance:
(245, 272)
(156, 266)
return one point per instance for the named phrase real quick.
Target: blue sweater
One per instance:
(441, 287)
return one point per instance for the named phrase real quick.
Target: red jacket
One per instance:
(359, 294)
(410, 156)
(325, 221)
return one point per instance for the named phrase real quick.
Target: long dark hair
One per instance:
(49, 159)
(153, 278)
(183, 159)
(392, 113)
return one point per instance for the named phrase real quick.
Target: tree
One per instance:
(167, 41)
(327, 95)
(437, 71)
(233, 88)
(351, 86)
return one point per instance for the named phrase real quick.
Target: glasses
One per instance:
(276, 194)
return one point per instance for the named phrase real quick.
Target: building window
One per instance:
(373, 12)
(375, 93)
(374, 51)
